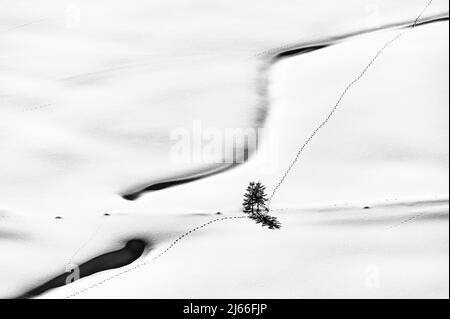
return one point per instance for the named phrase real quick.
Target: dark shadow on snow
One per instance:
(132, 250)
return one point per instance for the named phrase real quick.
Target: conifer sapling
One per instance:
(254, 205)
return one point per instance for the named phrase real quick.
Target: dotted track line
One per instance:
(407, 220)
(176, 241)
(23, 25)
(36, 107)
(70, 262)
(324, 122)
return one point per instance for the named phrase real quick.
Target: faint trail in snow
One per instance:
(407, 220)
(19, 26)
(70, 262)
(344, 92)
(176, 241)
(371, 216)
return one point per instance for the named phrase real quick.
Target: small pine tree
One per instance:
(260, 197)
(255, 200)
(249, 199)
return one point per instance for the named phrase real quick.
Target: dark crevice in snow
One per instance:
(138, 191)
(132, 250)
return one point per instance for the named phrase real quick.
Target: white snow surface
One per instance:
(87, 108)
